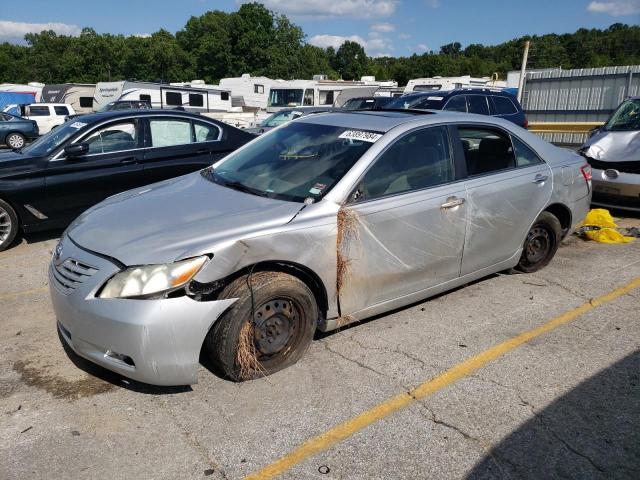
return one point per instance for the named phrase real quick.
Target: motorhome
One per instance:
(78, 95)
(250, 93)
(163, 95)
(451, 83)
(32, 88)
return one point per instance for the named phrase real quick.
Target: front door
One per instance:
(403, 231)
(112, 165)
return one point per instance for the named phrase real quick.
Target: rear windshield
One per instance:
(297, 162)
(626, 117)
(421, 102)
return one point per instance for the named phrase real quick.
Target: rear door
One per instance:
(507, 186)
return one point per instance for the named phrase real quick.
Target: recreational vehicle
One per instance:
(32, 88)
(162, 95)
(250, 93)
(451, 83)
(78, 95)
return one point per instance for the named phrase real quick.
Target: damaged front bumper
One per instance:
(615, 189)
(152, 341)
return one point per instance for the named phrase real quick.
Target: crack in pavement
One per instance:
(360, 364)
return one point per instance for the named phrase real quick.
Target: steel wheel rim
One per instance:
(15, 141)
(278, 328)
(5, 225)
(538, 245)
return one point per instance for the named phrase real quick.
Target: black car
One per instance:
(367, 103)
(51, 181)
(16, 131)
(483, 101)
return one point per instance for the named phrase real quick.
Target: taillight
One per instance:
(526, 123)
(586, 172)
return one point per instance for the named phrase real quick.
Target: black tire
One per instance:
(541, 244)
(285, 318)
(15, 140)
(8, 225)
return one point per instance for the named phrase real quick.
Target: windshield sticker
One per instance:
(77, 125)
(317, 189)
(435, 98)
(361, 135)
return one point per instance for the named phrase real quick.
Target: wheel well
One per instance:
(15, 210)
(563, 214)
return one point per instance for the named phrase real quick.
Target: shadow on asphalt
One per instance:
(591, 432)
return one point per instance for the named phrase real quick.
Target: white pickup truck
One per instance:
(46, 115)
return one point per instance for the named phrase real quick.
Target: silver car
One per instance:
(326, 220)
(613, 151)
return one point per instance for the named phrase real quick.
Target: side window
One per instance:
(308, 97)
(86, 102)
(258, 88)
(145, 98)
(456, 104)
(38, 111)
(486, 150)
(166, 132)
(504, 106)
(224, 96)
(196, 100)
(113, 138)
(418, 160)
(173, 98)
(61, 110)
(524, 155)
(478, 104)
(205, 132)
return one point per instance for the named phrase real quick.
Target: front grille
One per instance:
(626, 167)
(71, 273)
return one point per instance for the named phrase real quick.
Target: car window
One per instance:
(626, 117)
(478, 104)
(486, 150)
(61, 110)
(457, 103)
(524, 155)
(418, 160)
(167, 132)
(503, 106)
(113, 138)
(205, 132)
(4, 118)
(38, 111)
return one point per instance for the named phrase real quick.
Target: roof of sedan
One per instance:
(93, 117)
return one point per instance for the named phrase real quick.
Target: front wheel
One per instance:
(15, 140)
(268, 328)
(8, 225)
(541, 244)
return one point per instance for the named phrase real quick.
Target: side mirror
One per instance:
(76, 150)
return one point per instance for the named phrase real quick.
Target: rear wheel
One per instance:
(15, 140)
(8, 225)
(268, 328)
(541, 244)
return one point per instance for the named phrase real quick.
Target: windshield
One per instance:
(285, 97)
(359, 104)
(296, 162)
(107, 108)
(280, 118)
(419, 101)
(626, 117)
(52, 140)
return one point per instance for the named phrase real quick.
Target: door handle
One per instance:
(540, 179)
(452, 202)
(128, 161)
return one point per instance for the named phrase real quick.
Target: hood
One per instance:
(613, 146)
(175, 219)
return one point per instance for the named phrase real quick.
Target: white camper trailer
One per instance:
(162, 95)
(78, 95)
(451, 83)
(250, 93)
(32, 88)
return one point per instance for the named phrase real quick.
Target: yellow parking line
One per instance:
(339, 433)
(23, 292)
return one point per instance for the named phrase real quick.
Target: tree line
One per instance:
(258, 41)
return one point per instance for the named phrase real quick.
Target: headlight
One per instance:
(152, 279)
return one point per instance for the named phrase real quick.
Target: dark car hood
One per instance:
(174, 219)
(613, 146)
(6, 157)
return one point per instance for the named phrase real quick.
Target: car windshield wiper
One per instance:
(241, 187)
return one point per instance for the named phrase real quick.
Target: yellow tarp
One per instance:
(607, 233)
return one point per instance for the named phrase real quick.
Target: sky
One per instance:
(383, 27)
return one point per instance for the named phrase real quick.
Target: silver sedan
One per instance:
(324, 221)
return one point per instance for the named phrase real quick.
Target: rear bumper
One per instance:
(622, 192)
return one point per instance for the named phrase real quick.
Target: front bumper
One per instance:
(622, 192)
(152, 341)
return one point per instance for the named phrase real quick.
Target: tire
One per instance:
(15, 140)
(285, 320)
(8, 225)
(541, 244)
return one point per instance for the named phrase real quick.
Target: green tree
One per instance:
(351, 61)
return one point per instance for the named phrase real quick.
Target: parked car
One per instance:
(284, 116)
(613, 151)
(483, 101)
(47, 115)
(366, 103)
(16, 131)
(51, 181)
(126, 105)
(331, 218)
